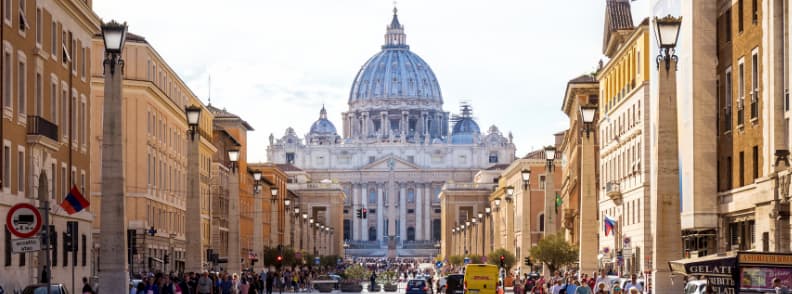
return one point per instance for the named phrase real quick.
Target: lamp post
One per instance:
(664, 193)
(294, 228)
(194, 253)
(258, 222)
(473, 235)
(489, 234)
(468, 244)
(275, 224)
(303, 241)
(312, 240)
(286, 227)
(234, 249)
(588, 244)
(113, 263)
(483, 233)
(550, 203)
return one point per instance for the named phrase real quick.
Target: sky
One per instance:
(275, 63)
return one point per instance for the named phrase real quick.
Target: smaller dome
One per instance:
(323, 126)
(465, 129)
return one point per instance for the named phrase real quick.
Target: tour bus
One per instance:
(481, 279)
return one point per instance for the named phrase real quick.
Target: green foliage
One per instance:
(387, 277)
(509, 260)
(271, 255)
(328, 261)
(456, 260)
(554, 251)
(356, 273)
(474, 258)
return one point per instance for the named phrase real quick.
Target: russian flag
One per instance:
(609, 225)
(74, 202)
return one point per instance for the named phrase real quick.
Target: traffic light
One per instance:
(166, 259)
(279, 259)
(67, 242)
(70, 244)
(359, 213)
(503, 261)
(365, 212)
(528, 261)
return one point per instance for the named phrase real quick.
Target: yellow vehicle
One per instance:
(481, 279)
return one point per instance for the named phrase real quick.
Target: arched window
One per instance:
(410, 234)
(541, 222)
(372, 234)
(411, 195)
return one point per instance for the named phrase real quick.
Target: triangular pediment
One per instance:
(386, 162)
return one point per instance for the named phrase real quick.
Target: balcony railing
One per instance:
(37, 125)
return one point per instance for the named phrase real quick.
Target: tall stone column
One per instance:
(549, 211)
(427, 207)
(664, 194)
(364, 222)
(588, 245)
(258, 230)
(355, 207)
(380, 213)
(403, 213)
(234, 255)
(404, 124)
(419, 208)
(113, 261)
(194, 254)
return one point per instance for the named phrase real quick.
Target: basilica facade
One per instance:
(396, 150)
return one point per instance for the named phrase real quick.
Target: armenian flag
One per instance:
(609, 225)
(74, 202)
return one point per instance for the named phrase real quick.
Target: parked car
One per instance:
(42, 289)
(455, 284)
(418, 286)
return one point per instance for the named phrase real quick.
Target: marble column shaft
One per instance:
(355, 206)
(588, 244)
(234, 254)
(194, 254)
(427, 207)
(402, 212)
(418, 212)
(380, 213)
(364, 222)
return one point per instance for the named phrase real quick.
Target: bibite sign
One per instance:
(23, 220)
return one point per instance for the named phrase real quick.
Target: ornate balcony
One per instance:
(613, 190)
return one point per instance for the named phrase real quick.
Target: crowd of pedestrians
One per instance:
(576, 283)
(288, 280)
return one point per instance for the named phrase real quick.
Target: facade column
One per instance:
(355, 206)
(427, 207)
(234, 255)
(588, 243)
(404, 123)
(380, 213)
(364, 222)
(402, 212)
(419, 212)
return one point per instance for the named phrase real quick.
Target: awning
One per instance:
(719, 271)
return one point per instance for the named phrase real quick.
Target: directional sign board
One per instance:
(23, 220)
(25, 245)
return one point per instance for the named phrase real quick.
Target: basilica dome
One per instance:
(323, 126)
(395, 73)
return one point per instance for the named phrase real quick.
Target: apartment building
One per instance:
(45, 92)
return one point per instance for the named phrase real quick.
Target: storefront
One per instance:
(745, 271)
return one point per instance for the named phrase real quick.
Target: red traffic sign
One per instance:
(23, 220)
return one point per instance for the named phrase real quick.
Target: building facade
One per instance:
(623, 149)
(45, 77)
(395, 151)
(154, 130)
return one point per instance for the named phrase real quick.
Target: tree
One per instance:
(456, 260)
(356, 273)
(509, 260)
(554, 251)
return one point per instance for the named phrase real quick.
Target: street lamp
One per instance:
(114, 275)
(497, 204)
(233, 157)
(667, 36)
(587, 113)
(193, 116)
(550, 153)
(287, 202)
(509, 193)
(274, 192)
(526, 178)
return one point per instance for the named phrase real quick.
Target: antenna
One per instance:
(210, 90)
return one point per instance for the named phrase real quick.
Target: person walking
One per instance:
(204, 285)
(87, 289)
(270, 280)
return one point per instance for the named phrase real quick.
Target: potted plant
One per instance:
(354, 274)
(390, 277)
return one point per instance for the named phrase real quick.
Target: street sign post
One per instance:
(25, 245)
(23, 220)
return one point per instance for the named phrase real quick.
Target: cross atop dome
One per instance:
(394, 35)
(323, 113)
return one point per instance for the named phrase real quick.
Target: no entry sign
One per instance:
(23, 220)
